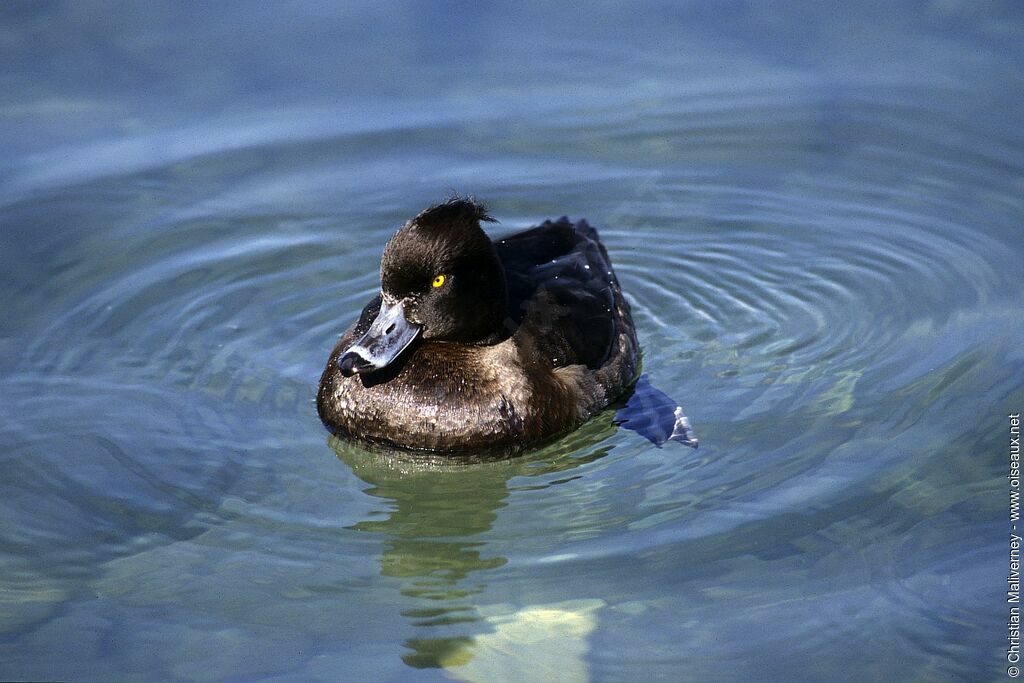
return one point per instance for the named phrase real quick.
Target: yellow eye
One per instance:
(438, 281)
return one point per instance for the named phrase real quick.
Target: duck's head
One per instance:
(440, 280)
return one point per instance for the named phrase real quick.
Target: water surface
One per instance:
(815, 211)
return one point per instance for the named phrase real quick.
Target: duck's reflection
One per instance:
(435, 535)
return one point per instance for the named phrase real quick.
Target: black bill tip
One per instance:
(351, 363)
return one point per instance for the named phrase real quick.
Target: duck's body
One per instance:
(522, 340)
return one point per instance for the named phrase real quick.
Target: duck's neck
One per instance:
(490, 326)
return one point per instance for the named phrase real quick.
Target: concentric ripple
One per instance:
(821, 276)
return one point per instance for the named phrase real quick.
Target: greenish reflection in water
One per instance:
(441, 508)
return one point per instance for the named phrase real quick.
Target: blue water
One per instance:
(816, 210)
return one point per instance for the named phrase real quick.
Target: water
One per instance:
(815, 210)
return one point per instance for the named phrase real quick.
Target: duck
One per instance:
(475, 344)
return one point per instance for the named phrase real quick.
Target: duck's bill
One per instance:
(389, 335)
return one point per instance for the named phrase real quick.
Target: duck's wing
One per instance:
(561, 292)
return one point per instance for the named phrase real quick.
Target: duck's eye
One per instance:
(438, 281)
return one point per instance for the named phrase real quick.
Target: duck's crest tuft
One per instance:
(453, 210)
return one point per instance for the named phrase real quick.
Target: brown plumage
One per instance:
(523, 339)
